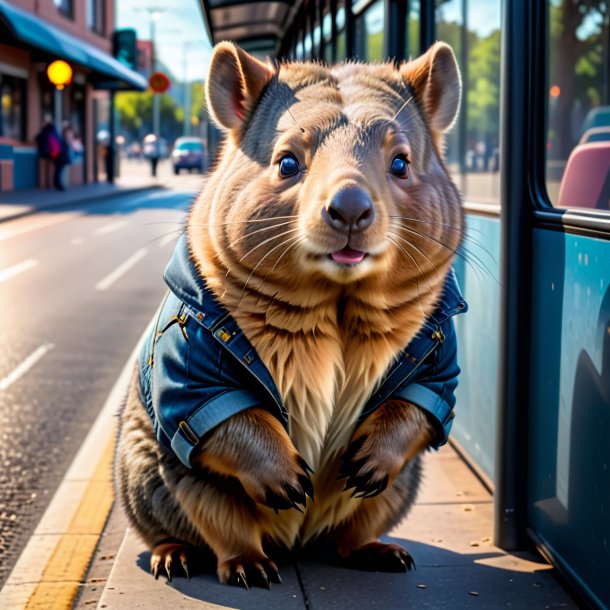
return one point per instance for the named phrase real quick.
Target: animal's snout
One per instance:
(350, 210)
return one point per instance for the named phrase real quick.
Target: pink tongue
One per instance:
(347, 256)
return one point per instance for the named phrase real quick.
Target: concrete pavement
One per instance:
(448, 533)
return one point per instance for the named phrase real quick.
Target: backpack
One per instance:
(48, 144)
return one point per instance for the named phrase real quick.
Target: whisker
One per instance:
(266, 241)
(400, 109)
(416, 280)
(480, 266)
(417, 250)
(432, 222)
(275, 226)
(469, 253)
(286, 241)
(296, 243)
(159, 237)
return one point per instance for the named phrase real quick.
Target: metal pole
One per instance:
(110, 163)
(187, 92)
(58, 108)
(156, 96)
(519, 53)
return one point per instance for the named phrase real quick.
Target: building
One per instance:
(34, 33)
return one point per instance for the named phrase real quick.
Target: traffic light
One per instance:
(124, 47)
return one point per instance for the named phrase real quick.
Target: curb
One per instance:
(90, 199)
(50, 569)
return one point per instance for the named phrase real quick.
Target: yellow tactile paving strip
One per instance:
(67, 566)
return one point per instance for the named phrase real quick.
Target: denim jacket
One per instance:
(197, 368)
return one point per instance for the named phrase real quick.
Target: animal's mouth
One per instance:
(347, 256)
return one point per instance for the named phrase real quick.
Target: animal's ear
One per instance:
(235, 82)
(435, 78)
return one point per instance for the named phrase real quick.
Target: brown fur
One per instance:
(326, 332)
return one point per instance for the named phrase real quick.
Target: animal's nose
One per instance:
(350, 210)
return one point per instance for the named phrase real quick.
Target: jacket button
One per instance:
(200, 316)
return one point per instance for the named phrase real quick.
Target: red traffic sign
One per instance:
(159, 82)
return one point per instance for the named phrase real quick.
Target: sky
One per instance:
(179, 22)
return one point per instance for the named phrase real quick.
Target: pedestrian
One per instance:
(65, 157)
(152, 151)
(49, 145)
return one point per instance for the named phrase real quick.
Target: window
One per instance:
(369, 32)
(12, 105)
(66, 7)
(413, 29)
(96, 16)
(472, 28)
(578, 130)
(341, 35)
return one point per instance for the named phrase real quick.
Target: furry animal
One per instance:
(323, 241)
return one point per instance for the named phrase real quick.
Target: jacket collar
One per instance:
(183, 279)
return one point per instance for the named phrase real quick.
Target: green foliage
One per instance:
(135, 111)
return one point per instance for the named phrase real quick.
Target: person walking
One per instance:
(49, 145)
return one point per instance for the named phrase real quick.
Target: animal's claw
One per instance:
(163, 556)
(360, 473)
(249, 569)
(240, 579)
(381, 557)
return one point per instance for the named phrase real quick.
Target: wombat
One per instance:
(305, 354)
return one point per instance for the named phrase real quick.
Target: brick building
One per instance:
(34, 33)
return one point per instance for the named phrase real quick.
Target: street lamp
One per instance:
(154, 13)
(60, 75)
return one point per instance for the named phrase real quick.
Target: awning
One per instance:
(257, 26)
(108, 73)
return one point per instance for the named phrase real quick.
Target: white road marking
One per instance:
(26, 225)
(56, 520)
(121, 270)
(166, 239)
(113, 226)
(77, 241)
(25, 366)
(9, 272)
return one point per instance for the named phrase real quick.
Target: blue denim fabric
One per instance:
(197, 368)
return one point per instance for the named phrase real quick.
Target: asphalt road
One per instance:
(77, 289)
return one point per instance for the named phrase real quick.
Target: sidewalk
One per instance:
(135, 176)
(448, 533)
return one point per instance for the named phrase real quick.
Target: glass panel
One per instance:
(65, 6)
(341, 36)
(96, 15)
(578, 135)
(369, 32)
(413, 29)
(307, 46)
(473, 30)
(12, 103)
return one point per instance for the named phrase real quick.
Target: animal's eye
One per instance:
(289, 166)
(400, 166)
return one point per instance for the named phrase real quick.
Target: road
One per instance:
(77, 288)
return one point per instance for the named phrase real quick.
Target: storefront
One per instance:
(29, 44)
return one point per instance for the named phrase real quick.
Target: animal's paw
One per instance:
(173, 558)
(388, 438)
(280, 483)
(249, 569)
(368, 467)
(380, 557)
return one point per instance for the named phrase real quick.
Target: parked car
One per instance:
(188, 153)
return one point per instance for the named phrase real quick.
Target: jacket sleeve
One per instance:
(190, 392)
(433, 387)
